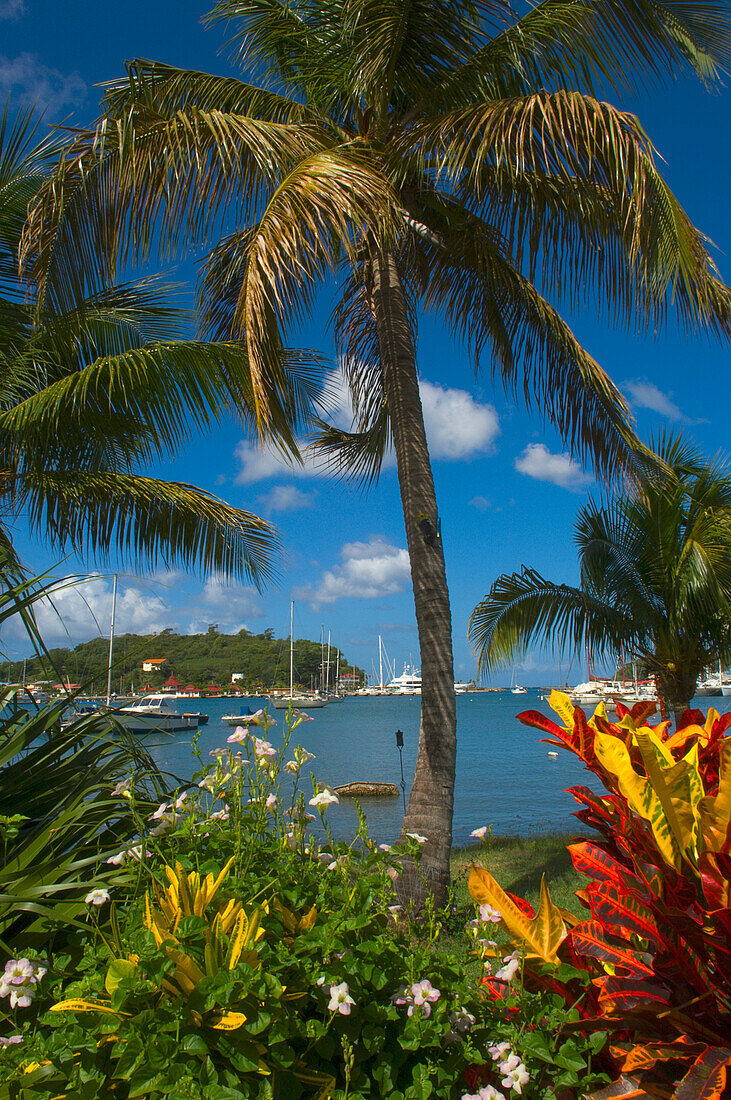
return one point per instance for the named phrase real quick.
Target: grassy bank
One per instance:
(518, 863)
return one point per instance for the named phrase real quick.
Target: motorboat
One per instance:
(156, 714)
(236, 719)
(461, 688)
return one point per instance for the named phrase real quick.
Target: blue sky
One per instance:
(507, 494)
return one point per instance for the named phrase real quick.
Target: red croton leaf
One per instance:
(624, 994)
(645, 1057)
(591, 860)
(706, 1078)
(590, 938)
(523, 905)
(620, 909)
(626, 1088)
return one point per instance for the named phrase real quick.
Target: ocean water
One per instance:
(505, 777)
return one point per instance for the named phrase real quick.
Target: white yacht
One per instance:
(156, 714)
(408, 683)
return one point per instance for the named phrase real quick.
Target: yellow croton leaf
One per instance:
(715, 810)
(542, 935)
(560, 703)
(75, 1004)
(667, 798)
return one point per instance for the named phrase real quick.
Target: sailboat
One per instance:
(515, 688)
(295, 699)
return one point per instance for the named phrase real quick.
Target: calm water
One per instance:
(505, 777)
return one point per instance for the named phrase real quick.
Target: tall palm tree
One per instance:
(655, 577)
(94, 389)
(417, 155)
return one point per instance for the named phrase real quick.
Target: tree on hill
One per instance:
(440, 156)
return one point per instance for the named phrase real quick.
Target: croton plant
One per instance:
(656, 938)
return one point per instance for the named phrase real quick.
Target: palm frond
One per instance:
(565, 136)
(146, 520)
(524, 608)
(269, 274)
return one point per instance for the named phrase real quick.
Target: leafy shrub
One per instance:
(255, 956)
(656, 944)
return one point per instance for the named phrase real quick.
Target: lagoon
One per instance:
(505, 777)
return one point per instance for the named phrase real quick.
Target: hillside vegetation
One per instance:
(200, 659)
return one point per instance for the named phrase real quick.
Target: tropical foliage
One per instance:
(656, 941)
(58, 821)
(96, 386)
(442, 156)
(655, 581)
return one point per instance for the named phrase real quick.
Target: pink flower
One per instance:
(516, 1075)
(97, 897)
(481, 832)
(9, 1040)
(271, 802)
(238, 736)
(419, 839)
(18, 971)
(490, 915)
(512, 966)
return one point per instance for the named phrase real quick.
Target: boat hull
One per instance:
(301, 702)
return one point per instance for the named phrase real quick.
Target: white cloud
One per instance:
(647, 396)
(76, 614)
(286, 498)
(457, 428)
(482, 504)
(32, 82)
(369, 570)
(12, 9)
(227, 604)
(538, 462)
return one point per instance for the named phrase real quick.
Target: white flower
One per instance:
(118, 860)
(498, 1051)
(481, 832)
(271, 802)
(339, 862)
(159, 812)
(321, 980)
(291, 840)
(123, 788)
(419, 839)
(512, 966)
(424, 992)
(221, 815)
(302, 755)
(324, 798)
(180, 800)
(490, 915)
(340, 999)
(218, 753)
(516, 1075)
(292, 767)
(208, 782)
(97, 897)
(21, 996)
(384, 847)
(9, 1040)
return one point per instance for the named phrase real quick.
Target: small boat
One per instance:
(408, 683)
(461, 688)
(155, 714)
(367, 790)
(236, 719)
(301, 702)
(515, 688)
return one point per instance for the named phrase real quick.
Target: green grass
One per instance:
(518, 863)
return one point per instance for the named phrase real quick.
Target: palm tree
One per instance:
(97, 387)
(416, 155)
(655, 578)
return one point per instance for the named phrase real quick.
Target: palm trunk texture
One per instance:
(431, 801)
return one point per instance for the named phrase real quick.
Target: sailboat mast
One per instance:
(327, 674)
(337, 675)
(111, 641)
(380, 661)
(291, 648)
(322, 656)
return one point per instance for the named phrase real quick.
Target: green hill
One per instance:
(200, 659)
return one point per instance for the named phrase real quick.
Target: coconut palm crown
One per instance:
(98, 387)
(414, 155)
(655, 568)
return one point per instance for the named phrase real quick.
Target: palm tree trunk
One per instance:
(677, 687)
(429, 811)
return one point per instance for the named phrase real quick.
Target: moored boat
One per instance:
(156, 714)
